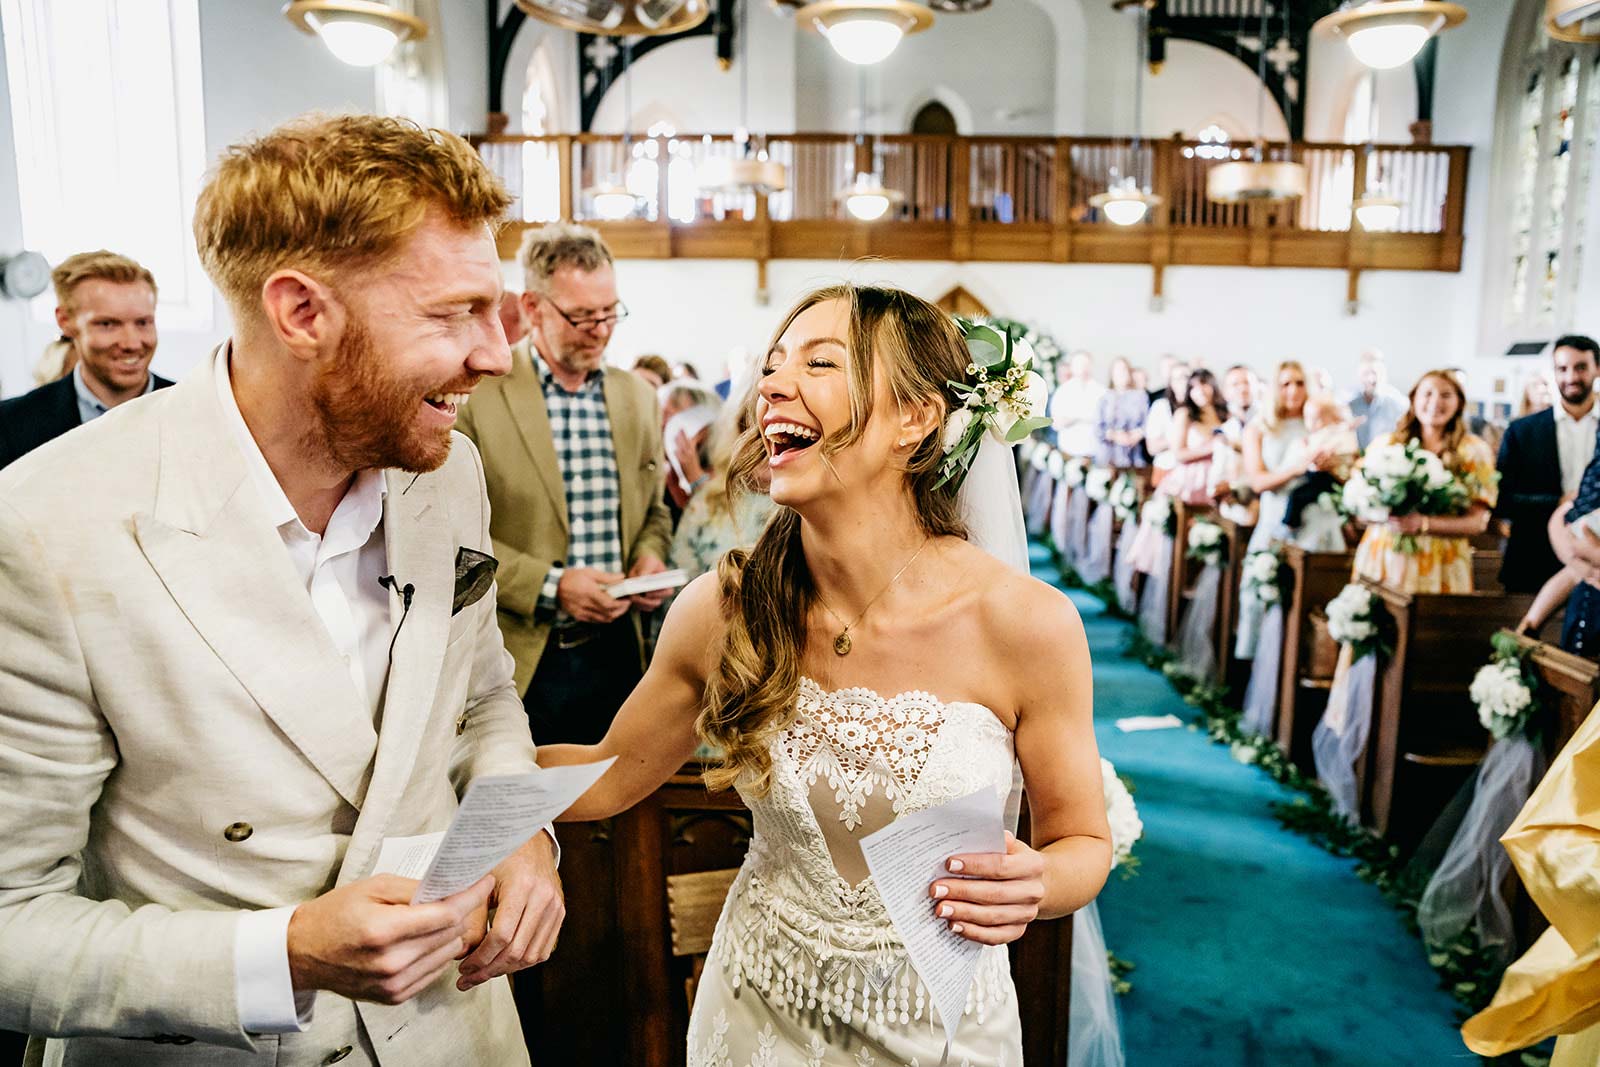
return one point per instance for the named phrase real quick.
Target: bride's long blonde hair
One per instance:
(767, 592)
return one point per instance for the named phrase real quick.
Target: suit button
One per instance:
(338, 1054)
(461, 724)
(238, 831)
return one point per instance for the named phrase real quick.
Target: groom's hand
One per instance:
(529, 908)
(998, 897)
(367, 941)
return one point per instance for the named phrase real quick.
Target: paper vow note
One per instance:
(495, 817)
(905, 857)
(648, 583)
(407, 856)
(1135, 723)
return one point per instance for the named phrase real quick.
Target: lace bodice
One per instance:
(804, 923)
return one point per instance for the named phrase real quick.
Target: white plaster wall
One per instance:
(681, 82)
(1220, 315)
(1000, 65)
(17, 348)
(1332, 75)
(1199, 85)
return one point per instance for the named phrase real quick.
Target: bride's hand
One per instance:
(997, 899)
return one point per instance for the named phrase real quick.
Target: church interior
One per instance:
(1245, 248)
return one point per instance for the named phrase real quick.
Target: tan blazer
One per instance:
(508, 419)
(163, 676)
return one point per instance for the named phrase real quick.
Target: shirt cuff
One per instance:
(555, 846)
(263, 991)
(548, 601)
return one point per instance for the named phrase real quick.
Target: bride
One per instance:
(864, 661)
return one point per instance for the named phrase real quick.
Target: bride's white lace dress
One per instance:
(805, 969)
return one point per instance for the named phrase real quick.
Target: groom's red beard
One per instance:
(368, 418)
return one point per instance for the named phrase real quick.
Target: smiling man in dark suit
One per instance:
(1542, 459)
(106, 306)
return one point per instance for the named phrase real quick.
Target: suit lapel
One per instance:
(421, 552)
(523, 398)
(625, 442)
(211, 541)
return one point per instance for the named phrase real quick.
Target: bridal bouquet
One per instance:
(1098, 484)
(1505, 690)
(1158, 512)
(1353, 620)
(1125, 497)
(1403, 479)
(1259, 580)
(1002, 396)
(1123, 815)
(1205, 542)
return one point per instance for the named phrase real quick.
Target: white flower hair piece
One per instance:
(1002, 396)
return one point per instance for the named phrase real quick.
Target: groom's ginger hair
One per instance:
(330, 195)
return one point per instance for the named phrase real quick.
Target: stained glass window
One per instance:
(1530, 118)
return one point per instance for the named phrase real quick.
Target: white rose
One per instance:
(955, 428)
(1244, 753)
(1034, 395)
(1021, 353)
(1434, 473)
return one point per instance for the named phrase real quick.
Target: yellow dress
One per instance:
(1555, 987)
(1440, 564)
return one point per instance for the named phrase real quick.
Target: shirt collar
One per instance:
(86, 395)
(365, 495)
(1562, 415)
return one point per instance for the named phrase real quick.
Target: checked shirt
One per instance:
(581, 430)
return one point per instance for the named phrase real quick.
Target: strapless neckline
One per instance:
(811, 687)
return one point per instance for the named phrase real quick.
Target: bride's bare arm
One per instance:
(653, 734)
(1066, 863)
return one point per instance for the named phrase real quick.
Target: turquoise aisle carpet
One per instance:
(1253, 947)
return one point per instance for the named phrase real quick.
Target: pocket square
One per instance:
(474, 574)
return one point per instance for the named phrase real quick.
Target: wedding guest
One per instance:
(1271, 461)
(688, 409)
(1234, 499)
(1075, 406)
(1164, 371)
(1198, 420)
(1331, 439)
(1119, 420)
(572, 456)
(1374, 400)
(722, 516)
(106, 310)
(1542, 459)
(1321, 382)
(1477, 421)
(1158, 436)
(1239, 390)
(1141, 381)
(1577, 546)
(1535, 397)
(1439, 560)
(654, 370)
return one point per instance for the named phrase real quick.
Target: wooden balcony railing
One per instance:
(994, 198)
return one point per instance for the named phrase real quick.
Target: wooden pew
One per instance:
(1426, 739)
(1306, 667)
(1573, 682)
(1238, 541)
(616, 945)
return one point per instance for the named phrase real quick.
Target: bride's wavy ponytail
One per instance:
(767, 592)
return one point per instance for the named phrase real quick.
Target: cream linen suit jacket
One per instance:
(508, 420)
(163, 676)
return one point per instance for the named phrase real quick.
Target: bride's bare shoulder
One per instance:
(1026, 615)
(694, 627)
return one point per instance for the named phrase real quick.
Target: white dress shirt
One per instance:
(1073, 410)
(1575, 443)
(340, 571)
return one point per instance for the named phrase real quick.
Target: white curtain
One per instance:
(1340, 739)
(1122, 568)
(1197, 652)
(1095, 566)
(1261, 695)
(1153, 600)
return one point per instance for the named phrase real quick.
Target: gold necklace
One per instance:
(841, 643)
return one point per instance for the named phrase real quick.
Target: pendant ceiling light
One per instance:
(612, 199)
(865, 31)
(867, 198)
(750, 171)
(1127, 202)
(620, 18)
(1258, 178)
(1377, 214)
(1577, 21)
(1389, 33)
(362, 33)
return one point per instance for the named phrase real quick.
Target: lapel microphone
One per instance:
(406, 592)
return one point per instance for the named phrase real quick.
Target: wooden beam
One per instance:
(1061, 203)
(564, 162)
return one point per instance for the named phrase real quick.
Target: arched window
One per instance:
(541, 164)
(1549, 119)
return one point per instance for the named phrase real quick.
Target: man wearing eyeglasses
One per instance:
(573, 461)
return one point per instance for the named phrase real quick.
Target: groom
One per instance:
(236, 655)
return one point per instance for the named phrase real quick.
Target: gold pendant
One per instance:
(841, 644)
